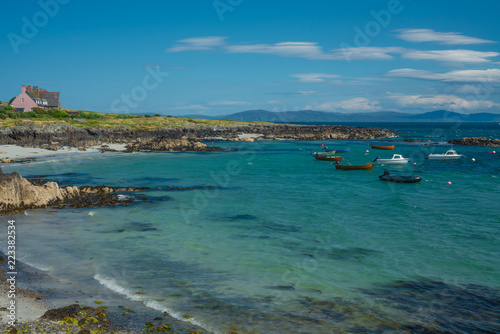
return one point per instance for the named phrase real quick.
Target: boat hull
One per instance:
(381, 147)
(325, 153)
(327, 158)
(353, 167)
(344, 150)
(401, 178)
(443, 157)
(392, 161)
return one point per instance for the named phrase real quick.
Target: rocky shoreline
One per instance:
(54, 136)
(476, 141)
(20, 194)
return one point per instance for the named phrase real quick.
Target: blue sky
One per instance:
(218, 57)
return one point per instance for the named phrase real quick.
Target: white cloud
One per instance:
(354, 104)
(306, 92)
(306, 50)
(460, 56)
(366, 53)
(482, 76)
(198, 44)
(442, 101)
(227, 103)
(314, 77)
(429, 35)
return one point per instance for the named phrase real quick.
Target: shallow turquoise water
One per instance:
(285, 243)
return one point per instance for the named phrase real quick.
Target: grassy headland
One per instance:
(90, 119)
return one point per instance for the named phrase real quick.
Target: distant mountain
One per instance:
(314, 116)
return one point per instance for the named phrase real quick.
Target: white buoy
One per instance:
(473, 159)
(91, 213)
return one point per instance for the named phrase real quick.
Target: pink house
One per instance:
(36, 98)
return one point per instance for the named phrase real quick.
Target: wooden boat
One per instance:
(449, 155)
(396, 159)
(344, 150)
(327, 158)
(325, 153)
(387, 176)
(351, 167)
(381, 147)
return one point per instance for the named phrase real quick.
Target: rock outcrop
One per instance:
(20, 194)
(476, 141)
(167, 144)
(53, 136)
(17, 192)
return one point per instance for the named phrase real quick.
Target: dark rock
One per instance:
(476, 141)
(29, 134)
(71, 311)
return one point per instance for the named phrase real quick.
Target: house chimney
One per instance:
(35, 91)
(28, 89)
(23, 90)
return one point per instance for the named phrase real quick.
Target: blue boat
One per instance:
(344, 150)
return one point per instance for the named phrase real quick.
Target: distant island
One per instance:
(313, 116)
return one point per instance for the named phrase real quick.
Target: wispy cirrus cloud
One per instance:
(198, 44)
(441, 101)
(459, 56)
(314, 77)
(352, 105)
(429, 35)
(480, 76)
(306, 50)
(367, 53)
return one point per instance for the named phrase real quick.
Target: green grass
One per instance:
(109, 120)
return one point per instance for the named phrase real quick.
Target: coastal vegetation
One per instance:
(9, 117)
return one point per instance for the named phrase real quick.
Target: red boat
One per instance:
(351, 167)
(327, 158)
(381, 147)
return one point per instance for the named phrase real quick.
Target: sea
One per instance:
(263, 238)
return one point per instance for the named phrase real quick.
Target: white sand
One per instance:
(27, 308)
(15, 152)
(249, 135)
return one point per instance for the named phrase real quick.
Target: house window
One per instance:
(22, 100)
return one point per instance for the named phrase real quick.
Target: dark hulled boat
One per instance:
(387, 176)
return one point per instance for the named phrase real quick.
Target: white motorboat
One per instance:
(449, 155)
(396, 159)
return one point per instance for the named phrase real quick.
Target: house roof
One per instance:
(51, 97)
(34, 98)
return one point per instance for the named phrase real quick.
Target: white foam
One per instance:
(122, 197)
(113, 286)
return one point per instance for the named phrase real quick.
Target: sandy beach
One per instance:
(15, 152)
